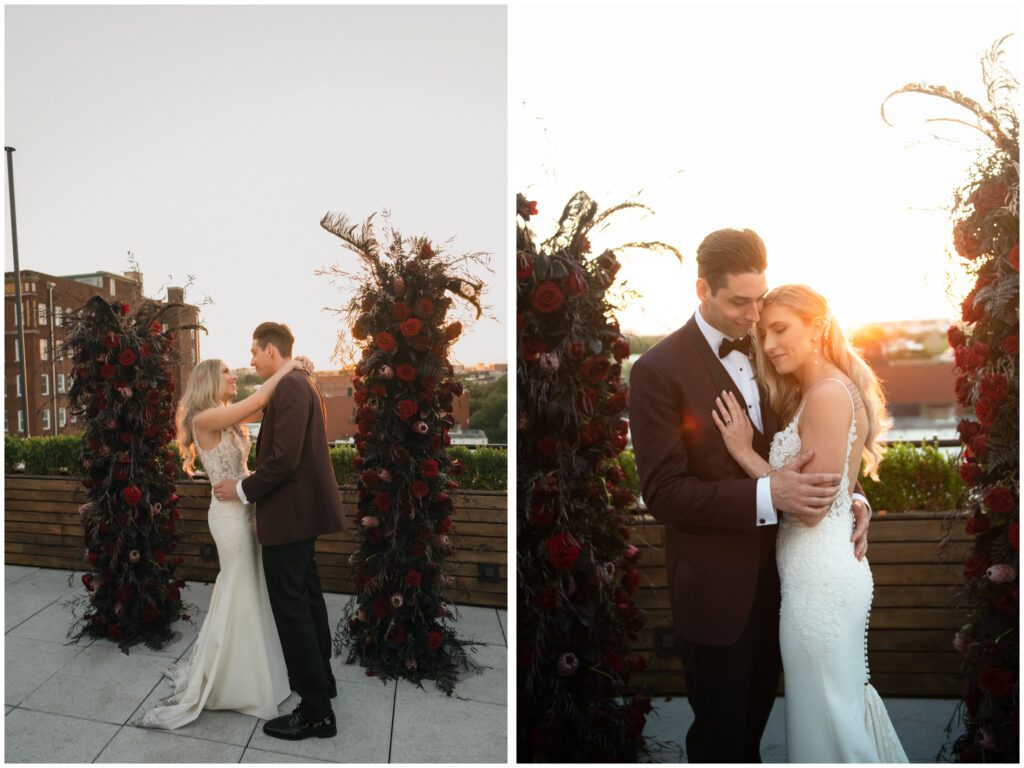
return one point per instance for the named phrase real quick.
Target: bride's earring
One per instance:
(815, 340)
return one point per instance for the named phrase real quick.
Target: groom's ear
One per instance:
(703, 289)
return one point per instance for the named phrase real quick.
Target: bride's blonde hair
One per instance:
(783, 390)
(204, 390)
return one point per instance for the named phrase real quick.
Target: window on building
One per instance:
(21, 421)
(17, 350)
(17, 384)
(43, 320)
(46, 419)
(349, 391)
(58, 349)
(62, 418)
(46, 383)
(44, 349)
(193, 354)
(113, 287)
(58, 315)
(61, 383)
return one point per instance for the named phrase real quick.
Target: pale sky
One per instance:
(209, 141)
(764, 117)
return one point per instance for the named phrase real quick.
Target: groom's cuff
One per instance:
(241, 493)
(863, 500)
(766, 514)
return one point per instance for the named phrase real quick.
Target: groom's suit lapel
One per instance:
(720, 376)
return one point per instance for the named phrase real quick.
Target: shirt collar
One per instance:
(713, 335)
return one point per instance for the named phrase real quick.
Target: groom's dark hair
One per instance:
(278, 334)
(730, 252)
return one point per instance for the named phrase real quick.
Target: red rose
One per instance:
(547, 445)
(976, 565)
(546, 599)
(413, 578)
(977, 355)
(453, 331)
(620, 348)
(110, 340)
(995, 386)
(419, 489)
(595, 369)
(970, 311)
(533, 207)
(1014, 257)
(980, 446)
(445, 526)
(406, 408)
(429, 468)
(434, 639)
(107, 371)
(591, 432)
(150, 614)
(1011, 345)
(631, 580)
(127, 357)
(382, 501)
(999, 498)
(996, 680)
(986, 410)
(533, 348)
(1014, 535)
(380, 607)
(411, 327)
(977, 524)
(970, 472)
(576, 283)
(524, 265)
(114, 632)
(955, 336)
(384, 341)
(360, 396)
(397, 634)
(563, 551)
(964, 390)
(426, 251)
(966, 242)
(547, 297)
(132, 495)
(424, 307)
(406, 372)
(400, 311)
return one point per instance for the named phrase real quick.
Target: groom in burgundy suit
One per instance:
(720, 524)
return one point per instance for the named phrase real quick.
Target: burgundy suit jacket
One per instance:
(293, 488)
(690, 483)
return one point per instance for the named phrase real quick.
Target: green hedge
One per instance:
(483, 468)
(910, 477)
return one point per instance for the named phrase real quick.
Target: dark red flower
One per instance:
(110, 340)
(419, 489)
(132, 495)
(445, 526)
(107, 371)
(546, 598)
(382, 501)
(411, 327)
(114, 632)
(547, 445)
(977, 524)
(150, 614)
(1011, 345)
(400, 311)
(413, 578)
(631, 580)
(576, 283)
(434, 639)
(591, 432)
(596, 369)
(970, 472)
(524, 265)
(424, 307)
(1014, 257)
(533, 207)
(1014, 535)
(965, 239)
(453, 331)
(996, 680)
(380, 607)
(426, 251)
(547, 297)
(127, 357)
(406, 408)
(384, 341)
(397, 634)
(994, 385)
(406, 372)
(429, 468)
(1000, 499)
(955, 336)
(533, 348)
(986, 410)
(563, 551)
(976, 565)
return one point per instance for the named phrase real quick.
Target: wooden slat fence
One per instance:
(913, 620)
(42, 528)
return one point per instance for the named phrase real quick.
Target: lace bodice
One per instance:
(228, 458)
(786, 446)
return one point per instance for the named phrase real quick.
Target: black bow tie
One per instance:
(728, 345)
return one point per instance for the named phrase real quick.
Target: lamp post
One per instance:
(53, 357)
(19, 322)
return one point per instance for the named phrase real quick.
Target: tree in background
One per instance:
(123, 388)
(986, 344)
(576, 571)
(397, 624)
(488, 405)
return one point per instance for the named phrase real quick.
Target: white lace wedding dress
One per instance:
(236, 662)
(833, 714)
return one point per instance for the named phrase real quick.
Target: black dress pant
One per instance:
(732, 689)
(300, 613)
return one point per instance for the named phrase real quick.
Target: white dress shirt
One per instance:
(743, 374)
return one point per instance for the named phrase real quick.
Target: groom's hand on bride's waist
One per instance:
(805, 495)
(226, 490)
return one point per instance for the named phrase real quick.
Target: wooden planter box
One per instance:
(42, 528)
(913, 620)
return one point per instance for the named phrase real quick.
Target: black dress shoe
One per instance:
(332, 687)
(297, 726)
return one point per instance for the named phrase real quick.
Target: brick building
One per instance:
(336, 387)
(47, 300)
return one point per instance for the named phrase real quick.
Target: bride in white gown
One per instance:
(236, 662)
(834, 406)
